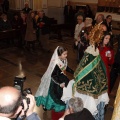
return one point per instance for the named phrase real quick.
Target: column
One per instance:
(37, 4)
(12, 4)
(18, 4)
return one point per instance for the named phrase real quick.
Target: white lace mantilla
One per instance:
(46, 78)
(91, 50)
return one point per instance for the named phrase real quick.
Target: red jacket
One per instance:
(107, 61)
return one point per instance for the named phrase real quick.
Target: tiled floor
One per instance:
(34, 66)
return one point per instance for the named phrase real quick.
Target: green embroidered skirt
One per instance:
(52, 101)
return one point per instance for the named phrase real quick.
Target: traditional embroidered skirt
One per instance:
(51, 101)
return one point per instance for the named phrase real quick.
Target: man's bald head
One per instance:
(99, 18)
(10, 99)
(26, 5)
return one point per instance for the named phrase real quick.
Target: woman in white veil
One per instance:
(50, 91)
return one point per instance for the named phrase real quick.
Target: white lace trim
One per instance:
(91, 50)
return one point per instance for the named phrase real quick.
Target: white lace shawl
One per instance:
(46, 78)
(91, 50)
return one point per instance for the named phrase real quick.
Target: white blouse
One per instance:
(78, 28)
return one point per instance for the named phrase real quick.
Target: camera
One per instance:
(82, 36)
(82, 33)
(18, 84)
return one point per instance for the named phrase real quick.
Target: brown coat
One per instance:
(30, 31)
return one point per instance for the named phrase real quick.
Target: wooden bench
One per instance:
(10, 35)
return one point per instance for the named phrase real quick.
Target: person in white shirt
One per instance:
(78, 27)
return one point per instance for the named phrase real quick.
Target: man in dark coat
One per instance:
(75, 111)
(68, 13)
(43, 25)
(5, 23)
(83, 115)
(5, 6)
(26, 9)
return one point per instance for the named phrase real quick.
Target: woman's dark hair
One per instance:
(108, 16)
(61, 50)
(106, 33)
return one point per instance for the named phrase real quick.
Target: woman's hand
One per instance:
(78, 39)
(62, 85)
(109, 55)
(67, 112)
(76, 43)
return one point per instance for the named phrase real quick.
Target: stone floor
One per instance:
(34, 64)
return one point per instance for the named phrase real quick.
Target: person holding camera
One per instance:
(80, 24)
(77, 44)
(107, 54)
(12, 105)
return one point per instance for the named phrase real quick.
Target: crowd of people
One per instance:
(91, 78)
(84, 97)
(95, 55)
(33, 26)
